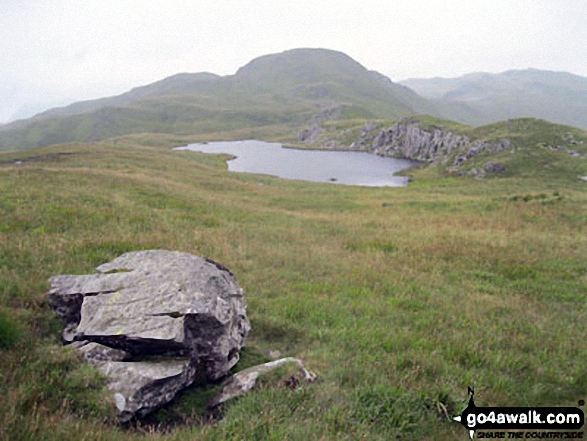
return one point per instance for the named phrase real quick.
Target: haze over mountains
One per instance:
(294, 87)
(558, 97)
(295, 77)
(286, 88)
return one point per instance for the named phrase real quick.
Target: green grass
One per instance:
(399, 298)
(9, 331)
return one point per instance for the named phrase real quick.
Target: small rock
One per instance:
(274, 355)
(331, 144)
(243, 381)
(494, 167)
(477, 173)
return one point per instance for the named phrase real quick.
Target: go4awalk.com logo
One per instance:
(522, 422)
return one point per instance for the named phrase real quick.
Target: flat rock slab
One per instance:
(154, 303)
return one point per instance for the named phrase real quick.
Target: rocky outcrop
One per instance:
(311, 135)
(182, 315)
(569, 138)
(562, 148)
(406, 139)
(327, 112)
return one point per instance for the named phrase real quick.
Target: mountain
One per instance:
(289, 89)
(482, 98)
(295, 89)
(175, 85)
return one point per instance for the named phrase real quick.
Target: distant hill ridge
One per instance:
(290, 89)
(183, 83)
(558, 97)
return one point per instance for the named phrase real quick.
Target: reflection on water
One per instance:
(350, 168)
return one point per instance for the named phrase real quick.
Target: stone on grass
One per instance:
(243, 381)
(153, 305)
(494, 167)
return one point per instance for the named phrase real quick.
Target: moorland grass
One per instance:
(399, 298)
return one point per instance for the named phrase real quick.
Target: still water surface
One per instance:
(350, 168)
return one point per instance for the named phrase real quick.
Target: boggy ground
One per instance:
(399, 298)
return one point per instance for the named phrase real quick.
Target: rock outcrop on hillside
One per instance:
(153, 322)
(327, 112)
(407, 139)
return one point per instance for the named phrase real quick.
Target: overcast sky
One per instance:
(53, 52)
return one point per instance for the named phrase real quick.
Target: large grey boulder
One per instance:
(151, 304)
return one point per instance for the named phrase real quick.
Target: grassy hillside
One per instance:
(483, 98)
(288, 88)
(399, 298)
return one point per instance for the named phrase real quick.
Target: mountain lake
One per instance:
(336, 167)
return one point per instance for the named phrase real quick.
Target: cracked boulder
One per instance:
(154, 305)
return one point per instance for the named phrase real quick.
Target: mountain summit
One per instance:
(287, 89)
(296, 88)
